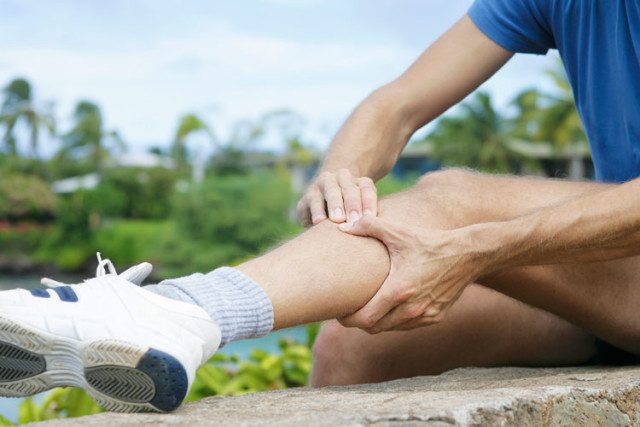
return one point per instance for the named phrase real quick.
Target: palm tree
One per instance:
(88, 138)
(478, 137)
(559, 121)
(19, 106)
(188, 125)
(550, 118)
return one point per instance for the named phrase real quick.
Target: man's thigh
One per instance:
(484, 328)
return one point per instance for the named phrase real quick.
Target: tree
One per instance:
(559, 121)
(549, 117)
(189, 124)
(477, 137)
(88, 138)
(19, 107)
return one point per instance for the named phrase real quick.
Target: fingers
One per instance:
(381, 303)
(369, 195)
(311, 208)
(397, 317)
(333, 196)
(339, 196)
(371, 226)
(316, 207)
(350, 195)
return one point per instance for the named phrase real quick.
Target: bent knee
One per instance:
(444, 199)
(446, 178)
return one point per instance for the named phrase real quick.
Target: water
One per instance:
(9, 407)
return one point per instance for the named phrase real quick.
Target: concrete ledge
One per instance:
(500, 396)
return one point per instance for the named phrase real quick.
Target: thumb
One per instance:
(369, 226)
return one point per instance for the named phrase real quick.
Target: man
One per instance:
(500, 270)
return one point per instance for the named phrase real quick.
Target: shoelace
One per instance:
(104, 265)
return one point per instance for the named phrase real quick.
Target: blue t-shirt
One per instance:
(599, 42)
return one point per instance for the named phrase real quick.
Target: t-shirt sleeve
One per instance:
(516, 25)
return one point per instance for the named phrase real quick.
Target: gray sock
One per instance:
(239, 305)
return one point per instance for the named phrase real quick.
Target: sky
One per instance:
(147, 62)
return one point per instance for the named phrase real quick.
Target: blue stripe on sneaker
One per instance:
(66, 293)
(41, 293)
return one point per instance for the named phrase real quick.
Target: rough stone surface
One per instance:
(473, 396)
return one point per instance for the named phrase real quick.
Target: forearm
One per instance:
(372, 138)
(597, 226)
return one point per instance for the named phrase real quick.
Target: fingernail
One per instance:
(345, 226)
(338, 213)
(367, 212)
(354, 216)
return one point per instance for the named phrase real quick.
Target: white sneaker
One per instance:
(130, 349)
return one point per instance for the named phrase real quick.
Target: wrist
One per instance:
(494, 245)
(329, 168)
(370, 141)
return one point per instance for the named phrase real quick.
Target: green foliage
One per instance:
(188, 125)
(478, 137)
(550, 118)
(221, 376)
(25, 197)
(142, 192)
(18, 165)
(128, 242)
(58, 403)
(82, 223)
(227, 219)
(22, 239)
(19, 107)
(389, 185)
(229, 376)
(229, 161)
(88, 139)
(68, 243)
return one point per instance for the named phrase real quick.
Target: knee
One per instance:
(332, 360)
(444, 199)
(446, 180)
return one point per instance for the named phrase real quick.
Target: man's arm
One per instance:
(370, 141)
(598, 226)
(430, 268)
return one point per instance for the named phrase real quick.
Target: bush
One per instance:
(145, 193)
(25, 197)
(68, 244)
(227, 219)
(23, 238)
(130, 241)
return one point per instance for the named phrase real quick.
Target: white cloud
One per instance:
(144, 91)
(145, 84)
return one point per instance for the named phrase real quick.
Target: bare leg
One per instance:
(326, 274)
(484, 328)
(321, 274)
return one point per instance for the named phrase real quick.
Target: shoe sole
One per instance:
(120, 376)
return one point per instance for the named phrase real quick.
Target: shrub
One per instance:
(145, 193)
(130, 241)
(25, 197)
(227, 219)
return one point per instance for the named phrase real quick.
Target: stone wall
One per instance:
(500, 396)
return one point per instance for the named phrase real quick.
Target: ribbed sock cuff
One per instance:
(239, 305)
